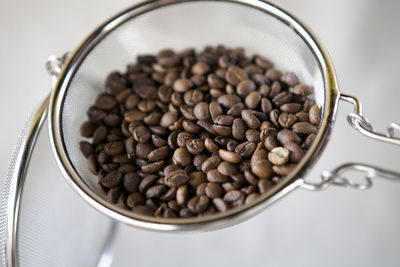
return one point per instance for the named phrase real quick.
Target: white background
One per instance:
(338, 227)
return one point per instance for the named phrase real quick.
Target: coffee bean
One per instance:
(264, 185)
(252, 100)
(250, 119)
(182, 194)
(290, 78)
(197, 178)
(182, 156)
(192, 97)
(236, 109)
(308, 142)
(215, 110)
(259, 164)
(253, 135)
(153, 167)
(246, 149)
(249, 189)
(302, 90)
(201, 189)
(238, 129)
(168, 119)
(147, 182)
(291, 107)
(131, 102)
(296, 153)
(282, 98)
(286, 135)
(278, 156)
(251, 198)
(99, 135)
(200, 68)
(270, 143)
(195, 146)
(87, 129)
(131, 182)
(235, 75)
(201, 111)
(273, 74)
(245, 87)
(134, 115)
(214, 190)
(214, 176)
(231, 186)
(233, 196)
(215, 82)
(158, 141)
(134, 200)
(86, 148)
(109, 167)
(263, 62)
(127, 168)
(114, 148)
(224, 120)
(210, 145)
(155, 191)
(302, 116)
(314, 115)
(287, 120)
(220, 204)
(142, 150)
(159, 154)
(266, 105)
(92, 164)
(210, 163)
(191, 127)
(112, 179)
(222, 130)
(283, 169)
(229, 156)
(304, 128)
(198, 204)
(227, 168)
(228, 100)
(121, 158)
(182, 138)
(231, 145)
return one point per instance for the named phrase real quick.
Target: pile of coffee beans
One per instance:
(190, 134)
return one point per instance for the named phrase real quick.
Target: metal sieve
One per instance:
(151, 26)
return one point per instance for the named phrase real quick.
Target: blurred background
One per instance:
(337, 227)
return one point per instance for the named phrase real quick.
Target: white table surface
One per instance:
(337, 227)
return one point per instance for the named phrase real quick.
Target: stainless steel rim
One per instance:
(209, 222)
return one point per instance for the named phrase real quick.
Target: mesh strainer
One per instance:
(258, 26)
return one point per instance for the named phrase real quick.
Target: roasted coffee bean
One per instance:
(250, 177)
(227, 168)
(112, 120)
(273, 74)
(168, 119)
(200, 68)
(121, 158)
(228, 100)
(109, 167)
(158, 141)
(182, 194)
(290, 78)
(130, 144)
(215, 93)
(235, 75)
(231, 186)
(238, 129)
(245, 87)
(286, 135)
(214, 190)
(142, 150)
(253, 69)
(260, 165)
(131, 102)
(287, 120)
(198, 204)
(113, 194)
(283, 170)
(308, 142)
(252, 100)
(304, 128)
(155, 191)
(222, 130)
(229, 156)
(96, 115)
(302, 116)
(253, 135)
(86, 148)
(159, 130)
(159, 154)
(264, 185)
(87, 129)
(250, 119)
(197, 178)
(182, 138)
(102, 157)
(215, 110)
(195, 146)
(92, 164)
(233, 196)
(236, 109)
(131, 182)
(215, 82)
(314, 115)
(266, 105)
(191, 127)
(291, 107)
(224, 120)
(201, 189)
(231, 145)
(278, 155)
(201, 111)
(114, 148)
(210, 145)
(251, 198)
(153, 167)
(182, 156)
(296, 153)
(270, 142)
(147, 182)
(172, 140)
(112, 179)
(134, 115)
(99, 135)
(134, 200)
(282, 98)
(220, 204)
(192, 97)
(276, 88)
(214, 176)
(249, 189)
(122, 96)
(246, 149)
(263, 62)
(210, 163)
(127, 168)
(302, 90)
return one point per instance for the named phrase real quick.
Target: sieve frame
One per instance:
(211, 222)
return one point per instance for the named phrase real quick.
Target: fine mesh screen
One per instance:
(193, 24)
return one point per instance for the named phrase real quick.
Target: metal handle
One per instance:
(362, 124)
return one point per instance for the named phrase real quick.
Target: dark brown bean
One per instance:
(135, 199)
(215, 82)
(252, 100)
(131, 182)
(158, 141)
(220, 204)
(131, 102)
(250, 119)
(236, 109)
(147, 182)
(192, 97)
(246, 149)
(99, 135)
(308, 142)
(87, 129)
(201, 189)
(214, 176)
(222, 130)
(229, 156)
(286, 135)
(260, 165)
(200, 68)
(263, 62)
(168, 119)
(214, 190)
(92, 164)
(182, 194)
(233, 196)
(270, 142)
(191, 127)
(314, 115)
(287, 120)
(215, 110)
(304, 128)
(86, 148)
(251, 198)
(227, 168)
(142, 150)
(290, 78)
(210, 145)
(228, 100)
(134, 115)
(211, 163)
(196, 178)
(155, 191)
(253, 135)
(127, 168)
(302, 116)
(198, 204)
(195, 146)
(291, 107)
(273, 74)
(302, 90)
(264, 185)
(182, 156)
(112, 179)
(238, 129)
(245, 87)
(159, 154)
(296, 153)
(283, 169)
(235, 75)
(201, 111)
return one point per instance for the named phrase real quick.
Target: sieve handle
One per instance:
(361, 124)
